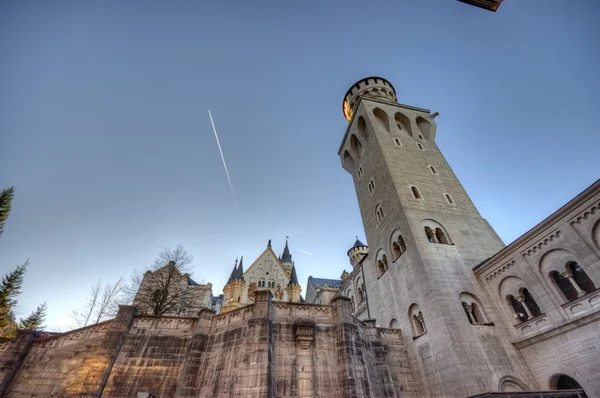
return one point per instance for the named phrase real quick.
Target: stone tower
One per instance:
(232, 291)
(424, 236)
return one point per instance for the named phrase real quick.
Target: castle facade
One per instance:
(435, 304)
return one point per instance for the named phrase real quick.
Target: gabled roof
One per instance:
(270, 250)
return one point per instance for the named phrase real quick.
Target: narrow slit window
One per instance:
(420, 147)
(415, 192)
(379, 213)
(433, 170)
(371, 186)
(360, 171)
(449, 199)
(397, 141)
(399, 126)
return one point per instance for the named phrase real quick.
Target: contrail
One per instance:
(223, 158)
(310, 254)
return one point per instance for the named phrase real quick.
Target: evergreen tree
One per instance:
(36, 319)
(9, 290)
(6, 196)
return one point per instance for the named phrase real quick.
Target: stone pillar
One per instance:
(569, 276)
(108, 351)
(305, 377)
(469, 309)
(12, 357)
(524, 305)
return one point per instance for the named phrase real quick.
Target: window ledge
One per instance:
(416, 337)
(527, 322)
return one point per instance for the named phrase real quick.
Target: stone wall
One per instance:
(563, 335)
(267, 349)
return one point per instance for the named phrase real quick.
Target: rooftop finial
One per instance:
(269, 244)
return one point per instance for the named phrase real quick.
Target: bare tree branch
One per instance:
(163, 288)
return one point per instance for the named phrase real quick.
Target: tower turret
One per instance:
(286, 260)
(293, 288)
(232, 292)
(425, 236)
(357, 252)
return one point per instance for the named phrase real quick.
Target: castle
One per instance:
(434, 306)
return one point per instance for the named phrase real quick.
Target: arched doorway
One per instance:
(564, 382)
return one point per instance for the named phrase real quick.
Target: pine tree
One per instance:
(36, 319)
(9, 290)
(6, 196)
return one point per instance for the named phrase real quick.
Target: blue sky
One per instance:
(104, 128)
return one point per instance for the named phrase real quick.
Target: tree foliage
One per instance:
(102, 303)
(10, 288)
(36, 320)
(163, 288)
(6, 196)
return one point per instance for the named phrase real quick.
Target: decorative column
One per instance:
(569, 276)
(521, 300)
(469, 309)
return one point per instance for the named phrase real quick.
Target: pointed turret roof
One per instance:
(358, 243)
(294, 277)
(286, 257)
(238, 271)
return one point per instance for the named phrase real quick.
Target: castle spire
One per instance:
(294, 277)
(286, 257)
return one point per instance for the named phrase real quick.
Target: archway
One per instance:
(564, 382)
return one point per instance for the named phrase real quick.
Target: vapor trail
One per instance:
(223, 159)
(310, 254)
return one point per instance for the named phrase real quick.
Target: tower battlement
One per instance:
(374, 87)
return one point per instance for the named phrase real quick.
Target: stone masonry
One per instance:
(266, 349)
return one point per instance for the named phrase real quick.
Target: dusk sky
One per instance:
(105, 134)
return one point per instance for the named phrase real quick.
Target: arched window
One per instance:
(415, 192)
(403, 123)
(382, 118)
(396, 250)
(382, 264)
(424, 125)
(417, 320)
(581, 278)
(361, 126)
(441, 236)
(348, 162)
(430, 235)
(356, 146)
(473, 309)
(520, 312)
(564, 382)
(534, 309)
(564, 285)
(397, 244)
(360, 290)
(394, 324)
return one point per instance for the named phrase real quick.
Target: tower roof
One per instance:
(358, 243)
(294, 277)
(238, 271)
(286, 257)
